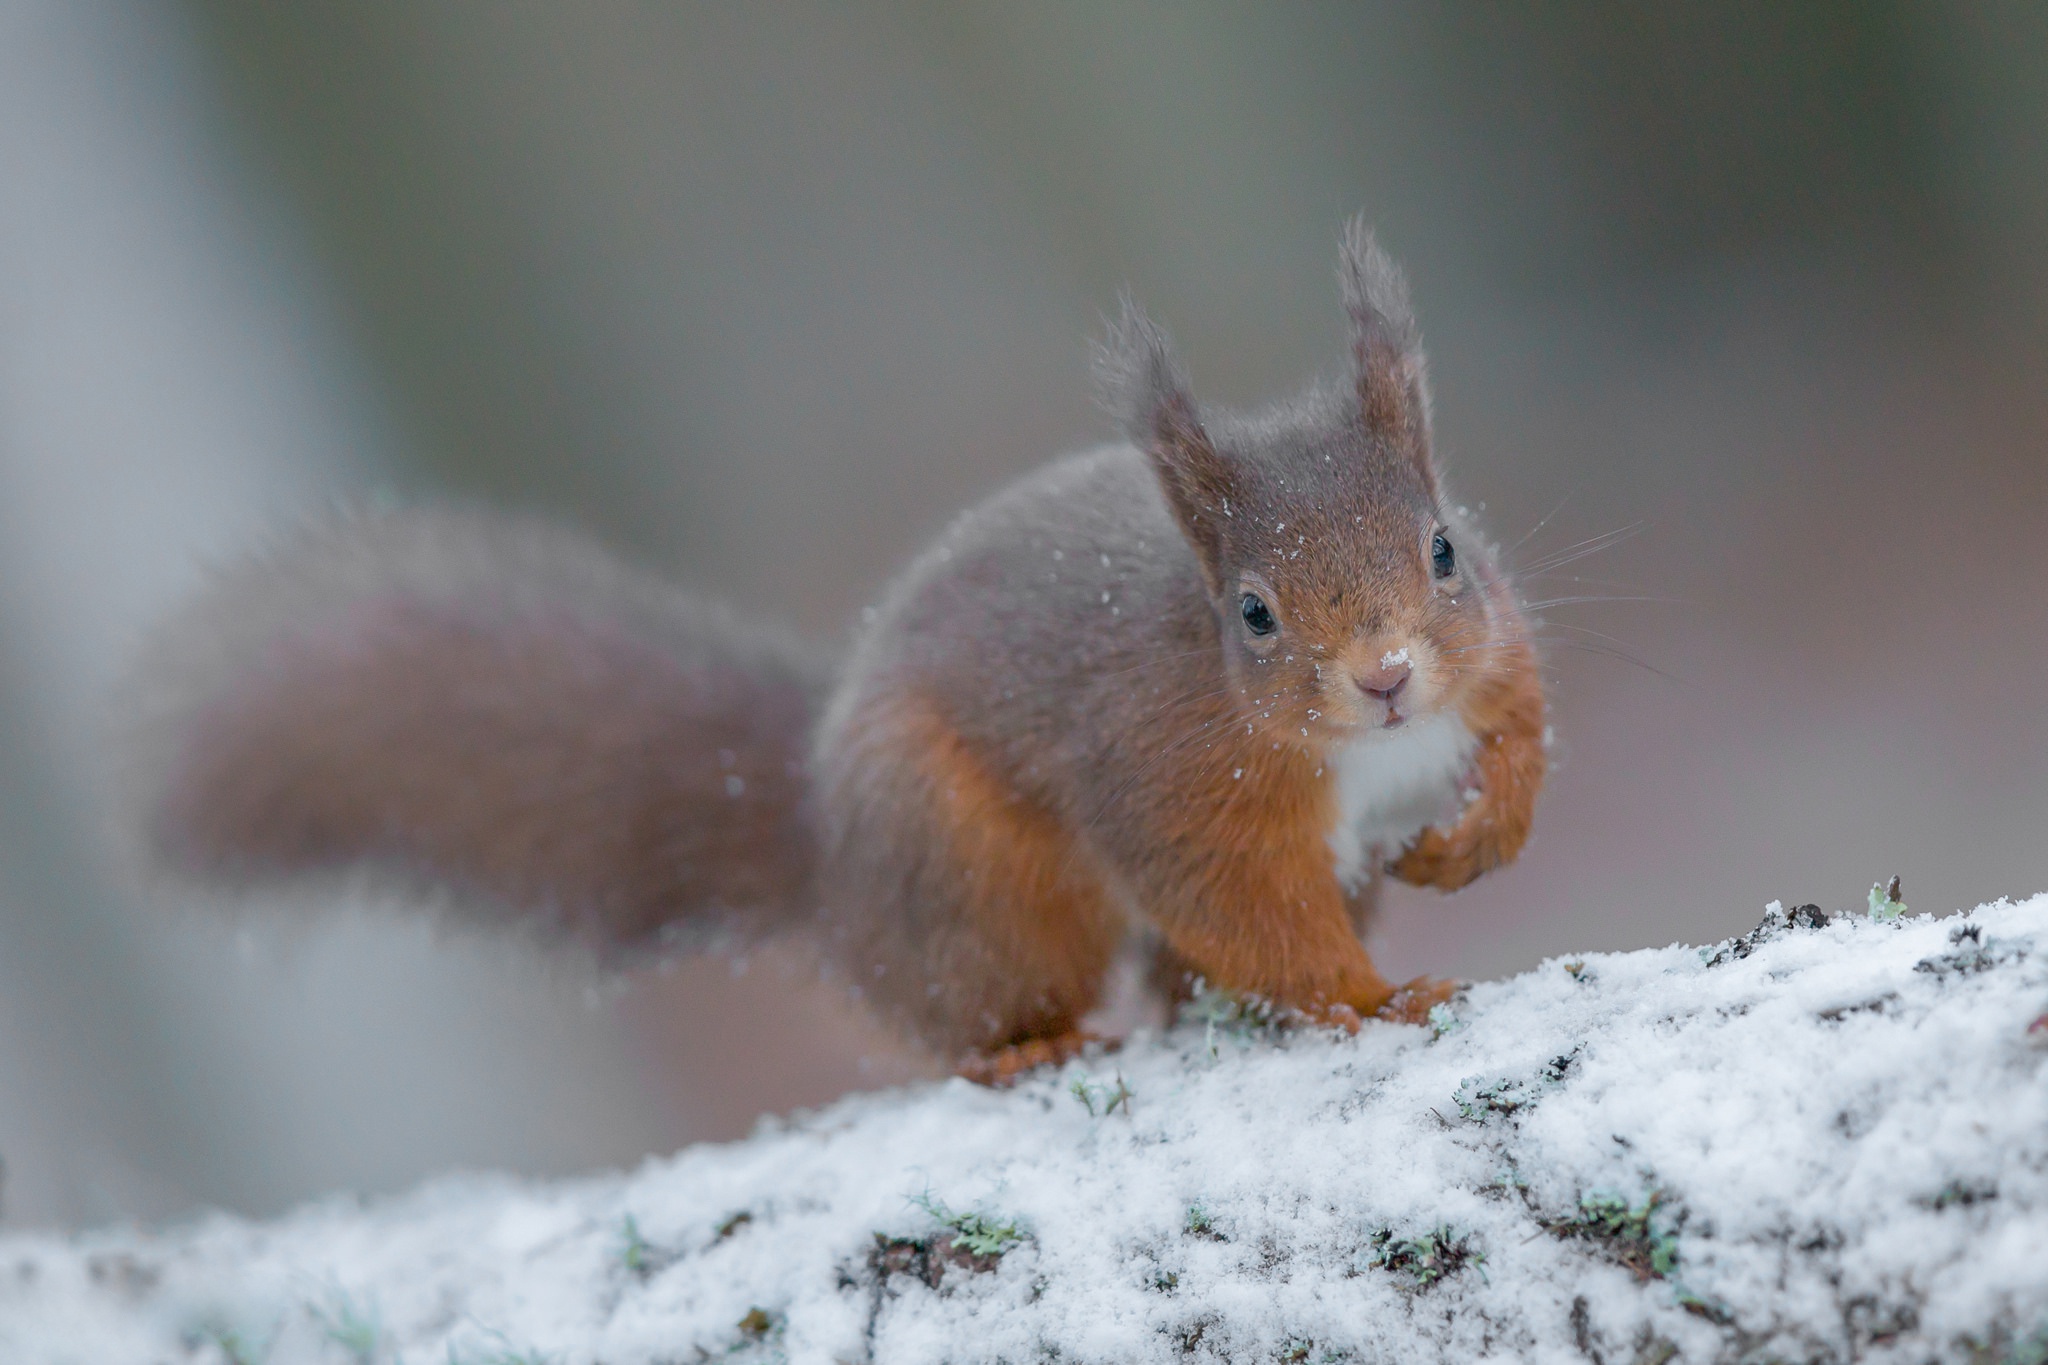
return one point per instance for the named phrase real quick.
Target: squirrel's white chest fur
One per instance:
(1391, 785)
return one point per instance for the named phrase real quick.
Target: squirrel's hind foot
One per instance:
(1413, 1000)
(1005, 1066)
(1409, 1003)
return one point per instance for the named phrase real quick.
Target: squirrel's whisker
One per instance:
(1533, 530)
(1571, 554)
(1582, 598)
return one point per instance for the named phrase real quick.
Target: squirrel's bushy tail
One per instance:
(485, 706)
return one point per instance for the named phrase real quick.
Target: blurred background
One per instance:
(763, 294)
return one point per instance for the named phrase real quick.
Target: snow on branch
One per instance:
(1824, 1141)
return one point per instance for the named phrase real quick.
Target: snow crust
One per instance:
(1808, 1144)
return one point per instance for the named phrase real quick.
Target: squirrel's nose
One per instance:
(1383, 683)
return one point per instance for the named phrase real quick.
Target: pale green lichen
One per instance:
(981, 1234)
(1633, 1231)
(1102, 1098)
(1886, 903)
(352, 1326)
(1423, 1260)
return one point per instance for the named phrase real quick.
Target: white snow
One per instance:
(1844, 1128)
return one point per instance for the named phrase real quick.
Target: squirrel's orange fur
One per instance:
(1211, 684)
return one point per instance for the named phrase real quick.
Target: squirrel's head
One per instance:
(1348, 597)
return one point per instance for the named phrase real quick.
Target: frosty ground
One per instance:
(1825, 1141)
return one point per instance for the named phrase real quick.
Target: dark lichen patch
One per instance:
(1187, 1337)
(1775, 924)
(731, 1225)
(1967, 963)
(1647, 1348)
(129, 1276)
(970, 1242)
(1960, 1194)
(1654, 1350)
(1507, 1181)
(926, 1259)
(1875, 1005)
(1271, 1258)
(1713, 1310)
(1154, 1261)
(1634, 1234)
(1821, 1240)
(1479, 1098)
(1970, 954)
(1807, 916)
(756, 1336)
(758, 1324)
(1582, 1328)
(1201, 1223)
(1422, 1261)
(1870, 1321)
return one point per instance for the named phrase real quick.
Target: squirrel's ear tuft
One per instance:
(1386, 350)
(1141, 380)
(1144, 385)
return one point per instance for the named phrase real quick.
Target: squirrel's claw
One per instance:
(1413, 1001)
(1336, 1014)
(1409, 1003)
(1005, 1066)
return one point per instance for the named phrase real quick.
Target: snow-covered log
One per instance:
(1825, 1141)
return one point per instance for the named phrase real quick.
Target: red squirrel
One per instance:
(1210, 683)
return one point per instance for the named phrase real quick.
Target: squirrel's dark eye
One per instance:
(1258, 617)
(1442, 558)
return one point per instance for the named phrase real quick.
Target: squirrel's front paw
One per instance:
(1005, 1066)
(1451, 859)
(1445, 861)
(1507, 772)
